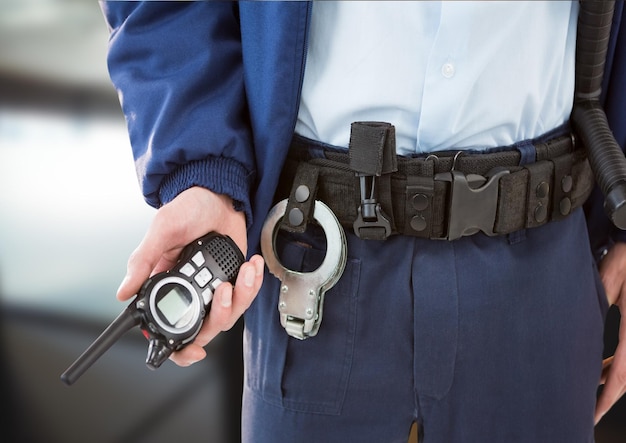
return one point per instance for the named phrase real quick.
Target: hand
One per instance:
(190, 215)
(613, 273)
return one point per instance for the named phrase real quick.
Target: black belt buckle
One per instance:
(473, 202)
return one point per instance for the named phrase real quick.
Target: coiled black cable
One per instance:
(588, 117)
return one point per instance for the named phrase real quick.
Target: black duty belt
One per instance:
(445, 195)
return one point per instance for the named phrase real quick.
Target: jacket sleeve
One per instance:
(177, 67)
(602, 232)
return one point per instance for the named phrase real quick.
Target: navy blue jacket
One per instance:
(210, 91)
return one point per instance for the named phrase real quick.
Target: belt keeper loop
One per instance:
(538, 194)
(528, 153)
(300, 205)
(372, 154)
(562, 187)
(419, 206)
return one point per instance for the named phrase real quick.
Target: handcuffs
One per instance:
(301, 299)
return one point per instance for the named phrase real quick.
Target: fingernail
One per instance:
(249, 276)
(227, 298)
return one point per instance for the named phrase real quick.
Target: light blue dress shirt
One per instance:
(448, 75)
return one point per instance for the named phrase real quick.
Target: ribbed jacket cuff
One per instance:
(220, 175)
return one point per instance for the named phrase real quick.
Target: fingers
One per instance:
(612, 271)
(191, 354)
(193, 213)
(228, 305)
(606, 366)
(614, 378)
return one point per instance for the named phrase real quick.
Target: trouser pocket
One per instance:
(303, 375)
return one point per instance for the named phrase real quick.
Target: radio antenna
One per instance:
(128, 319)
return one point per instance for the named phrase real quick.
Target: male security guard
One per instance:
(470, 301)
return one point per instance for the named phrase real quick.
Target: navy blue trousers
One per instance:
(482, 339)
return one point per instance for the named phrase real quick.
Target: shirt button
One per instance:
(447, 70)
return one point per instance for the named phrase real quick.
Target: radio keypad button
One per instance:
(188, 269)
(207, 295)
(198, 258)
(203, 277)
(216, 283)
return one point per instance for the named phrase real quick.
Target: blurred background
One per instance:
(70, 215)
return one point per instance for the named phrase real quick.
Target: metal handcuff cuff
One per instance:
(301, 299)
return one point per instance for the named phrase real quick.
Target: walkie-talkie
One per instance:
(170, 306)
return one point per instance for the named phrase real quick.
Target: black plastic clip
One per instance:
(370, 223)
(372, 152)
